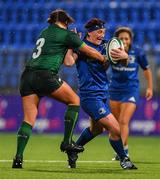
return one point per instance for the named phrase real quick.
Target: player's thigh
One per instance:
(95, 108)
(115, 108)
(46, 83)
(66, 95)
(99, 111)
(30, 108)
(25, 86)
(127, 111)
(95, 127)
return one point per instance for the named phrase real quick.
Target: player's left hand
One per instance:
(149, 94)
(119, 54)
(75, 31)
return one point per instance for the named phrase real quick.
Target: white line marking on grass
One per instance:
(54, 161)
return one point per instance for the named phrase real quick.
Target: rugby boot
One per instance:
(17, 162)
(72, 158)
(127, 164)
(71, 147)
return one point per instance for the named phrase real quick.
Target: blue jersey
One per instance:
(93, 81)
(125, 78)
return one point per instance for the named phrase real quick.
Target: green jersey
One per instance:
(51, 48)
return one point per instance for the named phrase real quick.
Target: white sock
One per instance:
(125, 147)
(126, 150)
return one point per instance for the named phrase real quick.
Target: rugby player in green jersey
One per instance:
(40, 78)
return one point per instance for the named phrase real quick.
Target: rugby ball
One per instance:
(113, 43)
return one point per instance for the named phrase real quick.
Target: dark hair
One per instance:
(59, 15)
(124, 29)
(93, 22)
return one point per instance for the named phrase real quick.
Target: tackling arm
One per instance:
(93, 53)
(71, 57)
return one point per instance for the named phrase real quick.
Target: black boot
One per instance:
(71, 147)
(17, 162)
(72, 158)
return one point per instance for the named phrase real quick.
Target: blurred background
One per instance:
(20, 24)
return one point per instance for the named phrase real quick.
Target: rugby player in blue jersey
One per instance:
(93, 87)
(124, 86)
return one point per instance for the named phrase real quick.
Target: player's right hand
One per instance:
(118, 54)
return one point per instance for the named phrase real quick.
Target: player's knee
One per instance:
(117, 133)
(96, 131)
(75, 101)
(124, 122)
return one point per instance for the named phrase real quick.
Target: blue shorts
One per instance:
(96, 108)
(125, 96)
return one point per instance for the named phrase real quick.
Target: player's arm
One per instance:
(70, 58)
(143, 62)
(93, 53)
(149, 90)
(74, 42)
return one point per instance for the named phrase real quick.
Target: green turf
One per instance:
(145, 152)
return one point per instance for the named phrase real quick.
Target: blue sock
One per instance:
(118, 147)
(85, 137)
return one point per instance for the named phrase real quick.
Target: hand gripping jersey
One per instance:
(51, 48)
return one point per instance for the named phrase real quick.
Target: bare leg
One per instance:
(66, 95)
(115, 108)
(127, 110)
(30, 108)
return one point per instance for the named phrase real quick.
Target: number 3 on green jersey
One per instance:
(40, 42)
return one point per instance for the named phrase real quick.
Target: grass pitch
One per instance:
(43, 159)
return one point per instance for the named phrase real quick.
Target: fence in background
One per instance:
(146, 120)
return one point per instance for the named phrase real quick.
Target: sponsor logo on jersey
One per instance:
(132, 58)
(132, 99)
(102, 111)
(124, 68)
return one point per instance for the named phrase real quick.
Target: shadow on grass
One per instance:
(116, 173)
(146, 162)
(80, 171)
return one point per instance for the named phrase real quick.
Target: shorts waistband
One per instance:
(27, 68)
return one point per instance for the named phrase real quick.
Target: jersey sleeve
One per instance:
(142, 60)
(73, 41)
